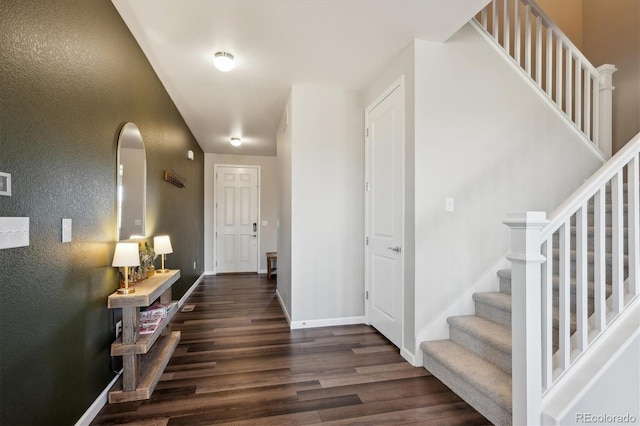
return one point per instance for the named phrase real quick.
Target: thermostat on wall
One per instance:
(5, 184)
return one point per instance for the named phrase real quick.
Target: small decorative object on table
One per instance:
(147, 256)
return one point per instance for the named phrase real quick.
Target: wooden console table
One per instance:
(144, 357)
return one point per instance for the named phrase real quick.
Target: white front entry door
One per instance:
(236, 210)
(385, 212)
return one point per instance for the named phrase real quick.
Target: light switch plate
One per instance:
(448, 205)
(265, 223)
(66, 230)
(14, 232)
(5, 184)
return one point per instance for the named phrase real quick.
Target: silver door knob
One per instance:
(396, 249)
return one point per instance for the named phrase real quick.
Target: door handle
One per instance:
(396, 249)
(254, 235)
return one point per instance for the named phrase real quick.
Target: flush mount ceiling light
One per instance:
(224, 61)
(236, 141)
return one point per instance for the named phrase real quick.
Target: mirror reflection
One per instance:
(131, 183)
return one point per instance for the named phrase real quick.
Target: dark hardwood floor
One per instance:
(238, 363)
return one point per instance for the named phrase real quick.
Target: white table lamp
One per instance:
(162, 246)
(126, 255)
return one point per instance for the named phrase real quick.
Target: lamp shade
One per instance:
(162, 244)
(126, 255)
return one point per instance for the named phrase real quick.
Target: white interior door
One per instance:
(236, 232)
(385, 212)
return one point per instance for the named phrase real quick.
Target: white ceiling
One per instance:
(276, 43)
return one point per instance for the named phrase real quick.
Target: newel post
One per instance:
(526, 313)
(605, 119)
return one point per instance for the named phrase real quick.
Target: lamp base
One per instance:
(163, 271)
(127, 290)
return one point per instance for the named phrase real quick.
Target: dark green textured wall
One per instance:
(70, 75)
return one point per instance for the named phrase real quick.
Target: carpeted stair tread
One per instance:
(505, 276)
(573, 287)
(504, 273)
(484, 330)
(608, 231)
(590, 256)
(494, 306)
(494, 298)
(608, 207)
(483, 385)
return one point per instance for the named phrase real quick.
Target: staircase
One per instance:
(475, 362)
(574, 275)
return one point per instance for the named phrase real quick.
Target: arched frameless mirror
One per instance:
(131, 182)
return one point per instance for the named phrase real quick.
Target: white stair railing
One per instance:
(586, 237)
(581, 92)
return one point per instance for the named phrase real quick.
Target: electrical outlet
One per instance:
(194, 264)
(118, 329)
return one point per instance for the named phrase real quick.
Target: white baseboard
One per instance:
(411, 359)
(188, 292)
(438, 328)
(97, 405)
(103, 398)
(327, 322)
(284, 308)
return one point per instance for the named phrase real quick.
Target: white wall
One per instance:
(268, 204)
(327, 205)
(486, 139)
(403, 64)
(284, 141)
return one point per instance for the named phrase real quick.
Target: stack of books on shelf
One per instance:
(152, 317)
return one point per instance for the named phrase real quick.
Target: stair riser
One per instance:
(491, 313)
(481, 348)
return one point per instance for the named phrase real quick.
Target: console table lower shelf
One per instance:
(152, 366)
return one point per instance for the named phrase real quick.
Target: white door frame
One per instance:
(398, 84)
(215, 211)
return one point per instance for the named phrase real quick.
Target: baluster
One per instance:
(527, 39)
(506, 36)
(564, 308)
(587, 105)
(633, 231)
(617, 249)
(582, 326)
(549, 88)
(569, 85)
(599, 273)
(579, 107)
(483, 19)
(547, 314)
(559, 49)
(596, 112)
(539, 50)
(516, 32)
(494, 18)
